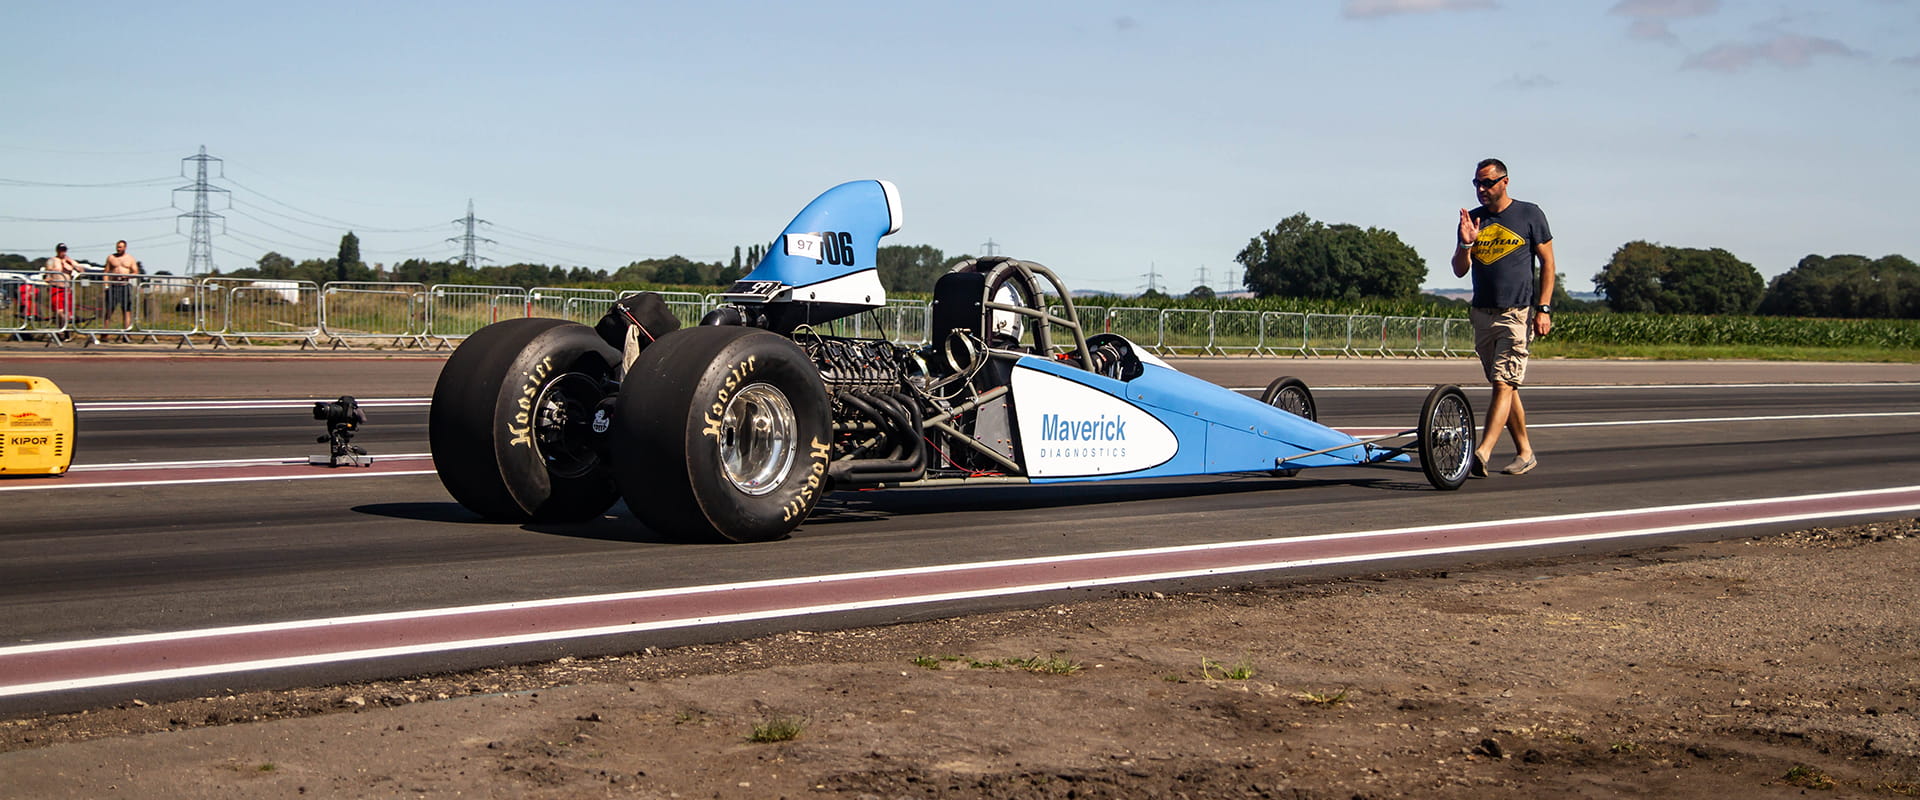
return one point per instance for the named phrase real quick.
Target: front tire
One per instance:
(1291, 395)
(510, 425)
(1447, 437)
(723, 433)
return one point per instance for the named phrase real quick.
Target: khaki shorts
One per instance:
(1500, 336)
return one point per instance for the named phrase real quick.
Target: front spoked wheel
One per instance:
(1291, 395)
(1447, 437)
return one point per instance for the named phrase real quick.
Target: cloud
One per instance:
(1650, 17)
(1124, 24)
(1525, 82)
(1664, 9)
(1787, 50)
(1909, 61)
(1386, 8)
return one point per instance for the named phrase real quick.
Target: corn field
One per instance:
(1675, 329)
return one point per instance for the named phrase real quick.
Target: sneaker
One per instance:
(1521, 466)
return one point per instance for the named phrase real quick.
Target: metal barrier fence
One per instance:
(1186, 331)
(688, 307)
(1283, 332)
(585, 306)
(367, 310)
(1329, 334)
(224, 310)
(1142, 326)
(46, 307)
(455, 311)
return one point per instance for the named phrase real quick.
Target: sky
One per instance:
(1109, 141)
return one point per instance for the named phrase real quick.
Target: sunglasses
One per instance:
(1487, 183)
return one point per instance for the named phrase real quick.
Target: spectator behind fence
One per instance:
(121, 269)
(58, 272)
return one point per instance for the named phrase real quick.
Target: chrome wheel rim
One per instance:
(1293, 402)
(1452, 431)
(757, 433)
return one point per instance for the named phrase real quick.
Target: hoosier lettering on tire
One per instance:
(722, 433)
(512, 417)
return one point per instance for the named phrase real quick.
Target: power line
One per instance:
(990, 247)
(321, 242)
(416, 250)
(543, 257)
(332, 226)
(127, 216)
(559, 242)
(344, 223)
(256, 241)
(95, 245)
(51, 185)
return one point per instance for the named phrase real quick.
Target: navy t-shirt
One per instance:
(1503, 255)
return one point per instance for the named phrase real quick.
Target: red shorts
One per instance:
(57, 298)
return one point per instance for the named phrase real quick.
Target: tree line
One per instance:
(901, 268)
(1303, 258)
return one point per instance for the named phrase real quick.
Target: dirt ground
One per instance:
(1780, 667)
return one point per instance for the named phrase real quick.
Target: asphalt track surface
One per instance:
(191, 549)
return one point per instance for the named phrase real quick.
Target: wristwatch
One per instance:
(1544, 308)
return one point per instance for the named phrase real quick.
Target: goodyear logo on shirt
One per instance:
(1495, 243)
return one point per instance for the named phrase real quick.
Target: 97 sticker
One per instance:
(804, 245)
(831, 247)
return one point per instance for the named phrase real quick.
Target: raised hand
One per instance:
(1469, 229)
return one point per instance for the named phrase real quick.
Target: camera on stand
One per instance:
(343, 418)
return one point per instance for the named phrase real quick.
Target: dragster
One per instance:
(735, 428)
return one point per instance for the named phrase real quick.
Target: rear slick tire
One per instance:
(510, 423)
(722, 434)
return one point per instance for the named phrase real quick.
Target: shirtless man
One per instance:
(120, 271)
(58, 273)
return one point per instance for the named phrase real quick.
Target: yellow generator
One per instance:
(36, 427)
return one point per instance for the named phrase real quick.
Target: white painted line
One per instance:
(343, 472)
(1612, 387)
(121, 406)
(229, 462)
(1775, 418)
(685, 622)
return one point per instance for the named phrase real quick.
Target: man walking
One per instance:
(1499, 243)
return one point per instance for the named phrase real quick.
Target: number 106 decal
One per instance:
(830, 247)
